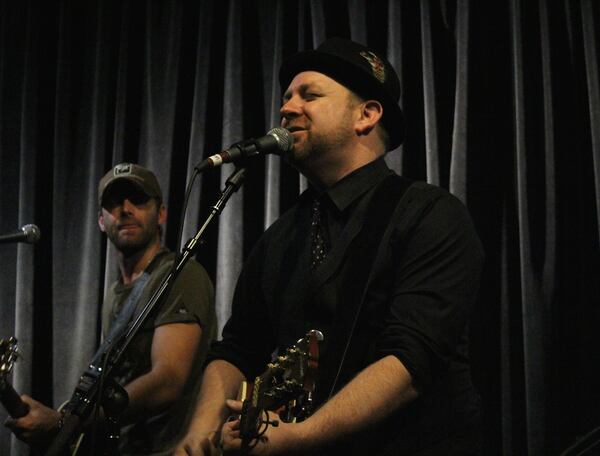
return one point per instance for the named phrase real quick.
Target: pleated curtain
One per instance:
(502, 101)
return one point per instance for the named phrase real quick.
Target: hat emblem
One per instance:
(377, 65)
(121, 169)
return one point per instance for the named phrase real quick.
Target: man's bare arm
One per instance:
(173, 348)
(375, 393)
(221, 381)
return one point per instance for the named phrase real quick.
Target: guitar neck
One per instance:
(11, 400)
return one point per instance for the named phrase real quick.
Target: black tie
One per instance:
(318, 236)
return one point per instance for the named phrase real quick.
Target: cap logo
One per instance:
(121, 169)
(376, 63)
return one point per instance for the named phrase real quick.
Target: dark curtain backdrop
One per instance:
(502, 101)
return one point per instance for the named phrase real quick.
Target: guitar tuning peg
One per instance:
(318, 334)
(275, 366)
(291, 384)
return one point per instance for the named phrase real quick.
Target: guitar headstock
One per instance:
(9, 353)
(286, 387)
(291, 374)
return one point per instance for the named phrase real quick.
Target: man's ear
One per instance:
(371, 112)
(162, 214)
(101, 221)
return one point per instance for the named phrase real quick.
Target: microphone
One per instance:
(276, 141)
(28, 233)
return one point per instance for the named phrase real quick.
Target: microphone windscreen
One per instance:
(32, 232)
(284, 138)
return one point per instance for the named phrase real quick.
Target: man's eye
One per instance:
(139, 199)
(109, 204)
(111, 201)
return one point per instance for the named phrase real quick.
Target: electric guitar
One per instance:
(10, 399)
(285, 388)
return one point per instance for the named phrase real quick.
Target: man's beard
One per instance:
(323, 144)
(131, 245)
(316, 147)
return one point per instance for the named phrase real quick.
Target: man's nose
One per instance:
(290, 109)
(127, 206)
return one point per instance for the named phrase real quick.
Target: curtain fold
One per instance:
(230, 246)
(199, 112)
(502, 107)
(532, 331)
(429, 97)
(590, 45)
(394, 55)
(460, 145)
(272, 42)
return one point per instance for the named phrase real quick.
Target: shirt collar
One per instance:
(343, 193)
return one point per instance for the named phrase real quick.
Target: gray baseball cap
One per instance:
(136, 174)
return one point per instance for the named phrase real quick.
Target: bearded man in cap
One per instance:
(161, 367)
(385, 267)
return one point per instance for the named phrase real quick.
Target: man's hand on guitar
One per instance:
(281, 439)
(38, 427)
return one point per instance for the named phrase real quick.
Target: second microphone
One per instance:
(276, 141)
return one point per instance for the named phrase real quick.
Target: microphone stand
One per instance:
(113, 398)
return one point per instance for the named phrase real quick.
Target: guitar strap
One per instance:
(389, 201)
(123, 318)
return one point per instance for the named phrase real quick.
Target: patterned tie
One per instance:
(318, 236)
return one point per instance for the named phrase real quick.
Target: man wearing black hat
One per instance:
(161, 367)
(385, 267)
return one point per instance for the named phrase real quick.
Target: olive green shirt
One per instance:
(191, 300)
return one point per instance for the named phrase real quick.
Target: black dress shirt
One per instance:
(414, 305)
